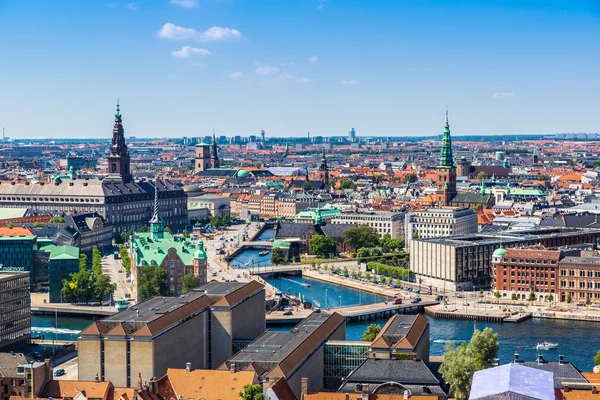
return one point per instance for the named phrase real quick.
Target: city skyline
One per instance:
(184, 67)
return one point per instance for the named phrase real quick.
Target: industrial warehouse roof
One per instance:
(280, 353)
(512, 381)
(160, 313)
(507, 236)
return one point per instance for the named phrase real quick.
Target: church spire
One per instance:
(157, 225)
(118, 156)
(214, 156)
(446, 159)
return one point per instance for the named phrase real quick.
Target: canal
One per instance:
(251, 257)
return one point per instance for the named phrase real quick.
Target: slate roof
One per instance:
(80, 221)
(291, 229)
(563, 372)
(217, 173)
(9, 363)
(336, 231)
(378, 373)
(512, 381)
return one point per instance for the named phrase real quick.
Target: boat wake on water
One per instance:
(51, 329)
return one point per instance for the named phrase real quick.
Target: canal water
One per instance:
(577, 340)
(251, 258)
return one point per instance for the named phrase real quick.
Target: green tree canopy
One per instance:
(277, 256)
(482, 175)
(79, 286)
(597, 358)
(189, 282)
(462, 362)
(252, 392)
(323, 246)
(371, 333)
(361, 236)
(457, 369)
(57, 220)
(152, 282)
(411, 178)
(346, 184)
(219, 221)
(103, 287)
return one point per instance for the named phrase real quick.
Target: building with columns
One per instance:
(125, 203)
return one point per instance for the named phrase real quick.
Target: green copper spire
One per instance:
(482, 191)
(157, 225)
(535, 153)
(118, 114)
(446, 160)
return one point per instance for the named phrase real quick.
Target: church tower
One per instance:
(214, 156)
(157, 225)
(446, 171)
(324, 170)
(202, 157)
(118, 156)
(200, 262)
(535, 155)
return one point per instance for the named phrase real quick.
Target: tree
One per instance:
(346, 184)
(57, 220)
(550, 298)
(361, 236)
(82, 260)
(189, 282)
(410, 178)
(362, 254)
(569, 297)
(588, 301)
(478, 207)
(371, 333)
(103, 287)
(79, 286)
(513, 296)
(152, 282)
(125, 259)
(482, 175)
(186, 234)
(219, 221)
(277, 256)
(322, 246)
(38, 224)
(168, 230)
(497, 295)
(531, 296)
(597, 358)
(457, 369)
(10, 225)
(596, 164)
(96, 261)
(415, 235)
(484, 346)
(252, 392)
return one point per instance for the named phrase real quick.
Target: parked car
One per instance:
(439, 297)
(397, 300)
(416, 300)
(288, 312)
(59, 372)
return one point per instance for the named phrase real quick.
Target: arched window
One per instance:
(114, 167)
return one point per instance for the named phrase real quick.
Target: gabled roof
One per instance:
(209, 384)
(239, 294)
(121, 329)
(96, 328)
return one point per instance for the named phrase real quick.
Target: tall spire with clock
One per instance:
(446, 170)
(118, 156)
(214, 156)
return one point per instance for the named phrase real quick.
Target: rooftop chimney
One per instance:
(232, 367)
(97, 378)
(516, 360)
(406, 395)
(365, 392)
(347, 396)
(304, 386)
(266, 384)
(188, 366)
(561, 359)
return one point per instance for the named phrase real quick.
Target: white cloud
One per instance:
(190, 52)
(184, 3)
(111, 5)
(173, 32)
(295, 78)
(236, 75)
(499, 95)
(268, 70)
(288, 64)
(313, 59)
(132, 6)
(351, 82)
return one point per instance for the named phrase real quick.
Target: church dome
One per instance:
(499, 252)
(200, 253)
(242, 173)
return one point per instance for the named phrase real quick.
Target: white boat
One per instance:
(546, 346)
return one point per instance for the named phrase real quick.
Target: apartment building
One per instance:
(15, 325)
(288, 205)
(385, 222)
(579, 276)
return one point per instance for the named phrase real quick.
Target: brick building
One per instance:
(521, 271)
(579, 276)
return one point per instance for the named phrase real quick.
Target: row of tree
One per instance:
(153, 281)
(125, 259)
(86, 284)
(388, 270)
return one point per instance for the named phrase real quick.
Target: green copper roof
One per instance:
(317, 214)
(535, 153)
(200, 253)
(446, 160)
(499, 252)
(154, 251)
(242, 173)
(63, 252)
(282, 244)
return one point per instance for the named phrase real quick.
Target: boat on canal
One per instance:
(546, 346)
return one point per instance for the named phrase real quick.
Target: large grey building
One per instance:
(123, 202)
(463, 262)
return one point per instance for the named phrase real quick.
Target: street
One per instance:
(70, 368)
(114, 269)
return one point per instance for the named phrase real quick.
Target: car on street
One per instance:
(439, 298)
(416, 300)
(288, 312)
(59, 372)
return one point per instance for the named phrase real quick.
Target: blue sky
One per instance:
(184, 67)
